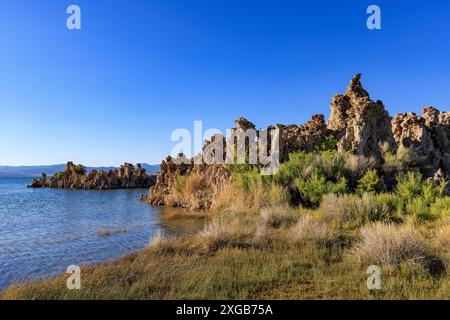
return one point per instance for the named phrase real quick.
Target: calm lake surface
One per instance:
(43, 231)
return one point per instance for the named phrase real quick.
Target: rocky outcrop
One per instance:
(428, 136)
(205, 183)
(358, 124)
(76, 177)
(302, 138)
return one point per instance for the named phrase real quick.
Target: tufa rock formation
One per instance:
(206, 182)
(75, 177)
(428, 136)
(358, 124)
(302, 138)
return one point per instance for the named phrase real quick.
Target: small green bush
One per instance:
(369, 183)
(180, 183)
(329, 164)
(409, 185)
(328, 144)
(441, 208)
(58, 175)
(78, 169)
(314, 188)
(403, 160)
(418, 197)
(294, 168)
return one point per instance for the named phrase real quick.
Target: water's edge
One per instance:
(43, 231)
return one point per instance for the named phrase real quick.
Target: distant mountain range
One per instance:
(35, 171)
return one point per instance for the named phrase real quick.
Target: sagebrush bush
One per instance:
(307, 229)
(313, 175)
(390, 245)
(409, 185)
(358, 165)
(353, 211)
(330, 164)
(278, 217)
(402, 160)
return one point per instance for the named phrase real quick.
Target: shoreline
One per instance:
(52, 243)
(274, 253)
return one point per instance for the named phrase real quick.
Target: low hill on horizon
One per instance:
(35, 171)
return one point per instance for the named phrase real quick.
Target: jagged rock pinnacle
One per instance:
(355, 89)
(244, 124)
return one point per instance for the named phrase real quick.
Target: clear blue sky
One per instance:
(115, 90)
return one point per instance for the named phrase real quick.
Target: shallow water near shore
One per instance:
(43, 231)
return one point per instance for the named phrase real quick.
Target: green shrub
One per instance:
(369, 183)
(180, 183)
(248, 179)
(441, 208)
(417, 207)
(78, 169)
(409, 185)
(294, 168)
(328, 144)
(58, 175)
(330, 164)
(431, 191)
(403, 160)
(419, 197)
(314, 188)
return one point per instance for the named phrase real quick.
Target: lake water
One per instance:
(43, 231)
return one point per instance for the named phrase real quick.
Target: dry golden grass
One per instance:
(307, 229)
(443, 237)
(442, 242)
(192, 192)
(260, 196)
